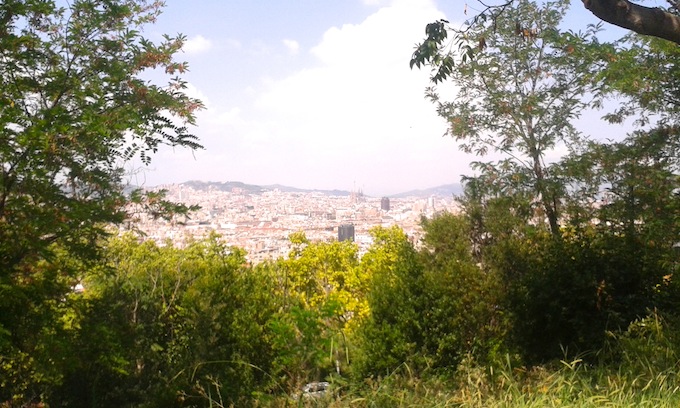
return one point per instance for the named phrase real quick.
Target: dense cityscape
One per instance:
(261, 222)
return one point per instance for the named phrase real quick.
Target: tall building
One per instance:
(430, 203)
(357, 196)
(385, 204)
(346, 232)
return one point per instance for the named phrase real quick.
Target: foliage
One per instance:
(520, 83)
(176, 320)
(463, 318)
(326, 271)
(553, 295)
(322, 290)
(518, 93)
(652, 92)
(497, 207)
(392, 333)
(74, 108)
(36, 329)
(427, 309)
(462, 315)
(566, 296)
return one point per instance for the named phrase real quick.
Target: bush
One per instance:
(428, 309)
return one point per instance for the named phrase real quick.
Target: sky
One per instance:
(313, 94)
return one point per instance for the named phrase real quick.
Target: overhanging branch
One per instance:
(642, 20)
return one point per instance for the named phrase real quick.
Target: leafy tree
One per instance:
(463, 317)
(36, 342)
(427, 308)
(635, 207)
(651, 87)
(392, 332)
(163, 326)
(323, 291)
(322, 271)
(652, 92)
(519, 94)
(225, 334)
(641, 179)
(613, 263)
(614, 206)
(568, 295)
(552, 294)
(498, 206)
(74, 108)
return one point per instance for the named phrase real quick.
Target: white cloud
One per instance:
(197, 44)
(357, 113)
(292, 46)
(193, 92)
(232, 44)
(361, 110)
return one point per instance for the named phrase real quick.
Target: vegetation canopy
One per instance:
(555, 285)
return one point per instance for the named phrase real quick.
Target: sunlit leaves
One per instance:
(174, 318)
(321, 272)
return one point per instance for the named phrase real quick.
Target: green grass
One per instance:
(566, 384)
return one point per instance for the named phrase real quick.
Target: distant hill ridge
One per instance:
(446, 190)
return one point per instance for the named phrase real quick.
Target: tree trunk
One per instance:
(546, 201)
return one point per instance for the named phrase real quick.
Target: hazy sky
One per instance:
(313, 94)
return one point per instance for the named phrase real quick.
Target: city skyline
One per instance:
(261, 222)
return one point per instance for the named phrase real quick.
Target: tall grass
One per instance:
(638, 368)
(571, 384)
(564, 384)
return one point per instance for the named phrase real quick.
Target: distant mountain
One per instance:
(287, 189)
(255, 189)
(446, 190)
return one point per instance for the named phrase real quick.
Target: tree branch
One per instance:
(643, 20)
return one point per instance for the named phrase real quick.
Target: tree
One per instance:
(320, 272)
(652, 92)
(323, 291)
(462, 317)
(633, 203)
(518, 90)
(392, 333)
(163, 326)
(427, 308)
(74, 108)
